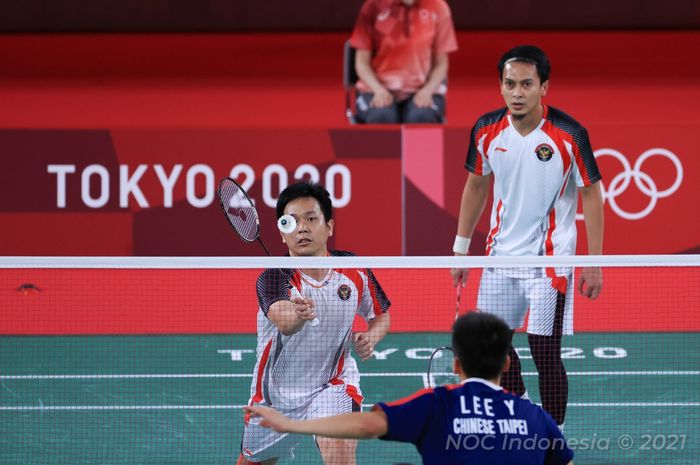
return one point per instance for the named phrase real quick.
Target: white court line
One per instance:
(362, 375)
(616, 373)
(628, 373)
(129, 376)
(46, 408)
(119, 407)
(176, 375)
(634, 404)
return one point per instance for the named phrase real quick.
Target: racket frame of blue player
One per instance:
(441, 362)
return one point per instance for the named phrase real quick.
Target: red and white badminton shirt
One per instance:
(535, 181)
(291, 369)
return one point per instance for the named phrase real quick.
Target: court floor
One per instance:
(634, 398)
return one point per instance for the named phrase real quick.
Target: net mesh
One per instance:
(137, 361)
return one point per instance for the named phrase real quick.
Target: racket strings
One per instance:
(440, 367)
(239, 210)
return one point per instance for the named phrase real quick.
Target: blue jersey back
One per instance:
(475, 422)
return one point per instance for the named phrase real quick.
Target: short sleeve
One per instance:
(476, 162)
(445, 38)
(374, 300)
(379, 298)
(585, 166)
(361, 37)
(272, 286)
(409, 419)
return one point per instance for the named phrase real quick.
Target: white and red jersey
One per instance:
(535, 181)
(291, 369)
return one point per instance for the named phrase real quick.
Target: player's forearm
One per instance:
(592, 203)
(379, 326)
(283, 316)
(356, 425)
(363, 67)
(437, 74)
(476, 191)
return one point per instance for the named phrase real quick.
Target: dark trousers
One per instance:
(404, 111)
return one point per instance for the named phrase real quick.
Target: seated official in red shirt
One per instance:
(402, 60)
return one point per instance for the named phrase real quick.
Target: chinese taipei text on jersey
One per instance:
(475, 422)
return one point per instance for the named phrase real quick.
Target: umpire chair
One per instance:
(350, 78)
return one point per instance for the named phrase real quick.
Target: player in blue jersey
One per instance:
(475, 421)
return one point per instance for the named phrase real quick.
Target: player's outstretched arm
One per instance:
(290, 315)
(591, 281)
(356, 425)
(474, 196)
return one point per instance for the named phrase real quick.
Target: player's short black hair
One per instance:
(527, 54)
(481, 342)
(304, 189)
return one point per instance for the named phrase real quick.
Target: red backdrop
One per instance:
(269, 104)
(261, 100)
(152, 192)
(397, 190)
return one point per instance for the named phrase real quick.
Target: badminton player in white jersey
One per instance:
(540, 159)
(305, 316)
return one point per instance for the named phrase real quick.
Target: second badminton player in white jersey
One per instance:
(536, 178)
(304, 365)
(540, 159)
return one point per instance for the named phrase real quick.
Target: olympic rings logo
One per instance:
(642, 181)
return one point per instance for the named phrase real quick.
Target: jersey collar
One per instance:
(545, 113)
(488, 383)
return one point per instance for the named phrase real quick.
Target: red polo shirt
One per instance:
(403, 41)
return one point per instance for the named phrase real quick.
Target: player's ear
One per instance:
(506, 364)
(330, 225)
(545, 87)
(457, 368)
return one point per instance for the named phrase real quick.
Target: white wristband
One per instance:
(461, 245)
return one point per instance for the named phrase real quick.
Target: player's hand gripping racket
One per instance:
(242, 215)
(441, 363)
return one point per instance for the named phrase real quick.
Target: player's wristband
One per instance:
(461, 245)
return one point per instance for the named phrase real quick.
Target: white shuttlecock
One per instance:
(287, 224)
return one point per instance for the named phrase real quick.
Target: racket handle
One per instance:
(314, 322)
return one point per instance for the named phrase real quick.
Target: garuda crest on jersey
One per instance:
(544, 152)
(344, 292)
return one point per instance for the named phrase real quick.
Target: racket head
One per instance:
(239, 210)
(441, 368)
